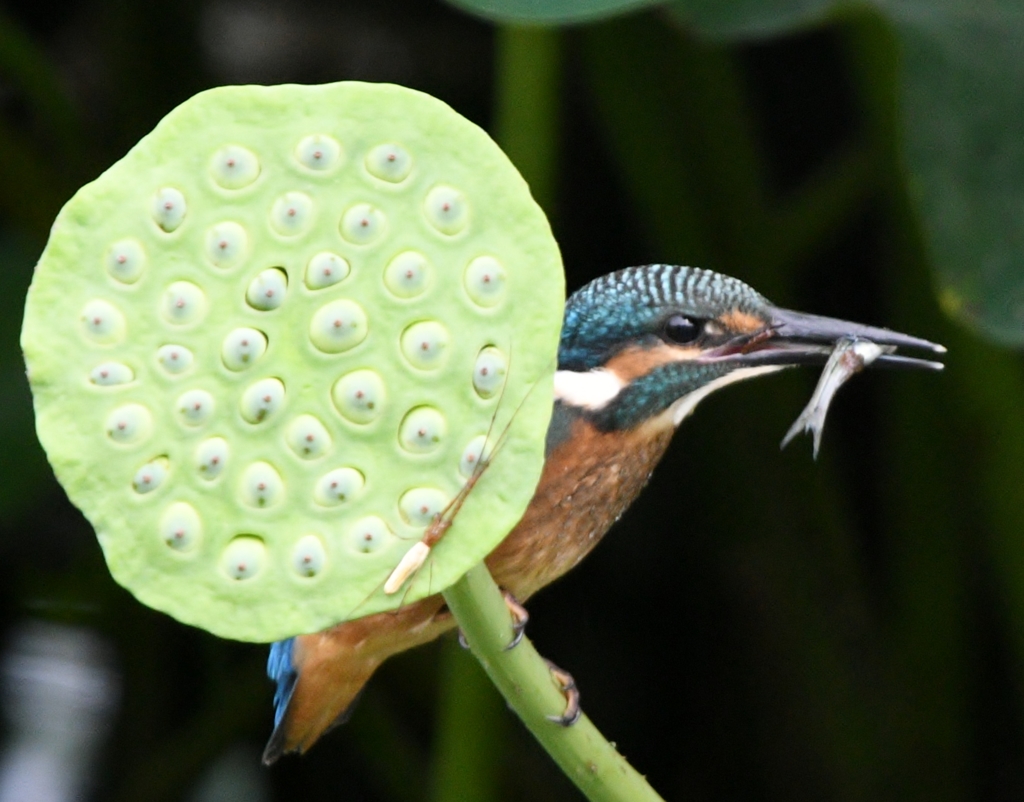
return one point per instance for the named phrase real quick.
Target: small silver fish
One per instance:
(849, 357)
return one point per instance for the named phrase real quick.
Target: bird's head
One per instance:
(650, 342)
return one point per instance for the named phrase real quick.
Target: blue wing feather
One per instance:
(281, 670)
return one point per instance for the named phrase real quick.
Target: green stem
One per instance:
(525, 680)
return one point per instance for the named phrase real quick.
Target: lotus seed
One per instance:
(338, 486)
(129, 424)
(211, 457)
(226, 244)
(326, 269)
(242, 347)
(180, 526)
(469, 463)
(389, 163)
(422, 430)
(368, 534)
(425, 344)
(446, 210)
(103, 322)
(194, 407)
(243, 558)
(485, 281)
(419, 505)
(168, 208)
(359, 396)
(261, 485)
(183, 302)
(489, 371)
(111, 373)
(150, 476)
(308, 437)
(262, 399)
(309, 556)
(126, 260)
(363, 224)
(338, 326)
(318, 152)
(234, 167)
(408, 274)
(174, 359)
(267, 290)
(292, 214)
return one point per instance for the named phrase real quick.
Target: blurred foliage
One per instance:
(758, 626)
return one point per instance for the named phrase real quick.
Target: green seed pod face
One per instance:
(276, 340)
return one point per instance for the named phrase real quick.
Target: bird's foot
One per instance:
(567, 684)
(520, 618)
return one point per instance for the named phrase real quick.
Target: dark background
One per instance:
(759, 626)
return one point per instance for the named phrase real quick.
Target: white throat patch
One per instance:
(591, 389)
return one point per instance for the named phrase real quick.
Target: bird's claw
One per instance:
(567, 684)
(520, 618)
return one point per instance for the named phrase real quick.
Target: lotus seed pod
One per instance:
(267, 348)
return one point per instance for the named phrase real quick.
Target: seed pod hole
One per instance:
(174, 359)
(226, 244)
(426, 344)
(446, 209)
(168, 208)
(262, 399)
(126, 261)
(234, 167)
(180, 527)
(307, 437)
(359, 396)
(151, 475)
(182, 303)
(318, 152)
(489, 371)
(261, 486)
(102, 322)
(338, 326)
(389, 162)
(244, 557)
(266, 292)
(368, 534)
(211, 458)
(325, 270)
(309, 557)
(194, 407)
(419, 505)
(292, 214)
(407, 275)
(422, 430)
(338, 486)
(363, 224)
(242, 348)
(129, 424)
(485, 281)
(108, 374)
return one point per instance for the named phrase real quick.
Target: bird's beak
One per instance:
(796, 338)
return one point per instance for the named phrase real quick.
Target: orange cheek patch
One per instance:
(741, 322)
(632, 363)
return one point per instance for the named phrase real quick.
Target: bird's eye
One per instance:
(681, 329)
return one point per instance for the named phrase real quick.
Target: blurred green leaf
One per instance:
(549, 12)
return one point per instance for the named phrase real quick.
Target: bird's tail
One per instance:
(319, 677)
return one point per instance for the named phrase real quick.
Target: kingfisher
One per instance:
(639, 349)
